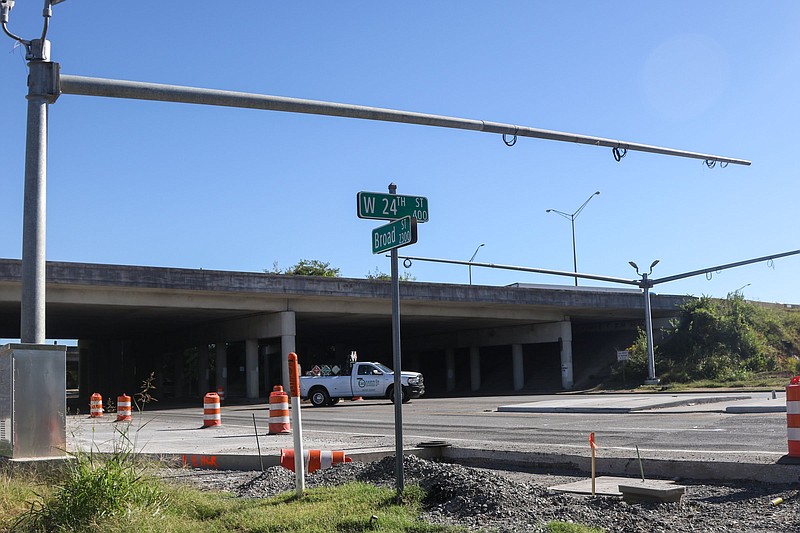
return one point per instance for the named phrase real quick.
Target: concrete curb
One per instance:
(785, 470)
(653, 404)
(779, 472)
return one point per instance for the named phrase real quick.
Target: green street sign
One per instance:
(382, 206)
(394, 235)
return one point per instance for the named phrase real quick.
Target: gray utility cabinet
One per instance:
(33, 401)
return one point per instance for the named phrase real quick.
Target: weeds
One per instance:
(94, 489)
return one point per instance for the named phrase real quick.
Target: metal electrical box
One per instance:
(33, 382)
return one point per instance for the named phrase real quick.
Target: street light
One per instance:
(470, 261)
(571, 217)
(740, 289)
(646, 284)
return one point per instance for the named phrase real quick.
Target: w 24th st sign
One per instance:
(404, 211)
(382, 206)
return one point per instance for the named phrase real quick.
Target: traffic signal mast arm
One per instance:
(87, 86)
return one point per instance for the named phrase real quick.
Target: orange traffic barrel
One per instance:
(95, 405)
(279, 411)
(313, 459)
(123, 407)
(211, 410)
(793, 416)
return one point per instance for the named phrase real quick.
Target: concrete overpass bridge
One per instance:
(198, 329)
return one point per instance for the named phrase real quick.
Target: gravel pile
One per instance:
(501, 501)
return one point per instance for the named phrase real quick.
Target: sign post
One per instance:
(404, 212)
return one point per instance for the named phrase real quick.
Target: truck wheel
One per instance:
(319, 397)
(404, 393)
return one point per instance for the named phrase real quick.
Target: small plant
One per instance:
(143, 397)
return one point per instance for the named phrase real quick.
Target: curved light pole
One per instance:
(470, 261)
(571, 217)
(646, 284)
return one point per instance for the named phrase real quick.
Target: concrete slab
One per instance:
(648, 491)
(616, 404)
(609, 485)
(765, 404)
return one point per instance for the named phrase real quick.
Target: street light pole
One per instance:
(42, 91)
(471, 259)
(571, 217)
(646, 284)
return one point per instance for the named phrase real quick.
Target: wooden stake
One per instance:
(594, 457)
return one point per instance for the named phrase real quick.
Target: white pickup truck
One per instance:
(367, 380)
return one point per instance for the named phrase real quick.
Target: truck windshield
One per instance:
(383, 368)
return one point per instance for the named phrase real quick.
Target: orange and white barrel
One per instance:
(95, 405)
(314, 459)
(123, 408)
(211, 410)
(793, 416)
(279, 411)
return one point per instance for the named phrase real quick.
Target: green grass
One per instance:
(114, 496)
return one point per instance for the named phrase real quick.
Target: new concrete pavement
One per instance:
(364, 430)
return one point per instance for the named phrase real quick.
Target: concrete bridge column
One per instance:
(567, 381)
(178, 374)
(288, 332)
(475, 367)
(202, 368)
(450, 368)
(517, 368)
(251, 367)
(221, 355)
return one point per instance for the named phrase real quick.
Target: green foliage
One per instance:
(93, 490)
(634, 370)
(724, 341)
(405, 276)
(307, 267)
(321, 510)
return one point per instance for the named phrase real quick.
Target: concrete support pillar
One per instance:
(450, 369)
(177, 373)
(202, 369)
(221, 354)
(288, 332)
(517, 368)
(475, 367)
(567, 380)
(251, 367)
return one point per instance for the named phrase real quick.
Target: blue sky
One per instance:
(162, 184)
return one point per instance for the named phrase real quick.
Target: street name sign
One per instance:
(380, 206)
(394, 235)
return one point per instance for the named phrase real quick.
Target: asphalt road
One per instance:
(476, 422)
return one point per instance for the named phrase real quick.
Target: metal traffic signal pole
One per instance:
(46, 84)
(645, 284)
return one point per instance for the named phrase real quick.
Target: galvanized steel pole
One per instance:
(398, 367)
(86, 86)
(648, 324)
(42, 90)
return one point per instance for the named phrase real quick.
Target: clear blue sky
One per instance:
(165, 184)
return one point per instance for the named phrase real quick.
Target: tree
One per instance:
(405, 276)
(307, 267)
